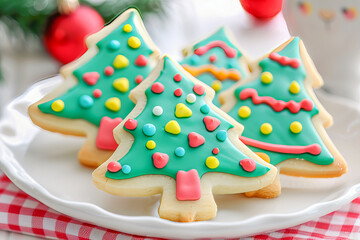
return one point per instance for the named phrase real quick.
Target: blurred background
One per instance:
(38, 36)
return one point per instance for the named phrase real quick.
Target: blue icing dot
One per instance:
(179, 152)
(205, 109)
(221, 135)
(114, 45)
(194, 59)
(126, 169)
(86, 101)
(149, 129)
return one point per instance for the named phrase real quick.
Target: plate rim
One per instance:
(144, 225)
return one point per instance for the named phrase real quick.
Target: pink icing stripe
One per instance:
(314, 149)
(188, 185)
(276, 105)
(230, 52)
(284, 61)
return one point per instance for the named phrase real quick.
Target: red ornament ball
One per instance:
(65, 35)
(262, 9)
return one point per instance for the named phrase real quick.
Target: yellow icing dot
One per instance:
(121, 84)
(182, 111)
(244, 112)
(121, 61)
(295, 127)
(294, 87)
(134, 42)
(264, 156)
(127, 28)
(212, 162)
(266, 128)
(173, 127)
(113, 104)
(58, 105)
(216, 85)
(266, 77)
(150, 144)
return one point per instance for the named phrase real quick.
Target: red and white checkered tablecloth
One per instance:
(22, 213)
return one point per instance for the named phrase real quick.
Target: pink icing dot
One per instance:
(213, 58)
(199, 90)
(109, 71)
(130, 124)
(157, 88)
(177, 77)
(178, 92)
(114, 166)
(97, 93)
(248, 164)
(215, 151)
(139, 79)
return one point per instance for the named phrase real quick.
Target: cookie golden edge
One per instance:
(211, 183)
(89, 155)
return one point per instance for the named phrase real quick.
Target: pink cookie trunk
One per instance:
(105, 138)
(188, 185)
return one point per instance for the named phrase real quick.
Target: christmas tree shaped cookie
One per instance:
(284, 121)
(93, 99)
(216, 61)
(177, 143)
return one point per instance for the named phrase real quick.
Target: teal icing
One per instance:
(139, 158)
(109, 47)
(222, 61)
(280, 121)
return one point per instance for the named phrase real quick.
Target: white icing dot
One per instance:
(191, 98)
(157, 111)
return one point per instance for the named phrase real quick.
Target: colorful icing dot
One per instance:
(114, 45)
(173, 127)
(264, 156)
(108, 71)
(179, 152)
(216, 85)
(58, 106)
(157, 88)
(149, 130)
(121, 84)
(130, 124)
(157, 111)
(134, 42)
(138, 79)
(113, 104)
(120, 61)
(266, 77)
(141, 61)
(266, 128)
(215, 151)
(114, 166)
(85, 101)
(177, 77)
(182, 111)
(199, 89)
(213, 58)
(248, 164)
(126, 169)
(97, 93)
(211, 123)
(191, 98)
(91, 78)
(205, 109)
(160, 159)
(221, 135)
(294, 87)
(178, 92)
(212, 162)
(195, 140)
(244, 112)
(150, 145)
(296, 127)
(127, 28)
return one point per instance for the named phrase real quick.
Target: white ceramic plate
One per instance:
(44, 165)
